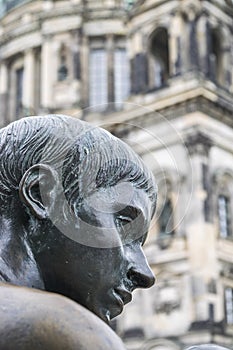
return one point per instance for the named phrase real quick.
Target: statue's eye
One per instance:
(122, 220)
(124, 225)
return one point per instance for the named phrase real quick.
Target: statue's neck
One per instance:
(17, 263)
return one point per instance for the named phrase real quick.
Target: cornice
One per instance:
(215, 110)
(141, 6)
(18, 32)
(40, 18)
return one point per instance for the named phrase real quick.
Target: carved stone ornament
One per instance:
(190, 9)
(198, 143)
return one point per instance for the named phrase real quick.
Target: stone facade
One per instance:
(158, 74)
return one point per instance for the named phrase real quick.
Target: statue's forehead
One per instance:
(118, 197)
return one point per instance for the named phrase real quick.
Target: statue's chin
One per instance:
(107, 317)
(104, 314)
(107, 305)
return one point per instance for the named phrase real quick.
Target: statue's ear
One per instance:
(38, 189)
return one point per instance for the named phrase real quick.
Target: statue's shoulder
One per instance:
(33, 319)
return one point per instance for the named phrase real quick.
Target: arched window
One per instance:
(159, 58)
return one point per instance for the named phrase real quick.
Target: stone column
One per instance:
(3, 92)
(175, 35)
(110, 64)
(193, 49)
(85, 71)
(37, 72)
(76, 64)
(226, 78)
(47, 73)
(139, 65)
(3, 78)
(200, 229)
(202, 39)
(29, 82)
(191, 12)
(231, 66)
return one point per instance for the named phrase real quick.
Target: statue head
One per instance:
(207, 347)
(76, 205)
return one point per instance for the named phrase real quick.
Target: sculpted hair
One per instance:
(207, 347)
(86, 157)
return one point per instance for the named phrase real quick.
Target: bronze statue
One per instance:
(207, 347)
(76, 204)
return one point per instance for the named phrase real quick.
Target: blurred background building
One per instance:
(158, 74)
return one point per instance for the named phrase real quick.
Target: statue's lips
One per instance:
(118, 298)
(122, 296)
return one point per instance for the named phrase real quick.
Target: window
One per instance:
(229, 305)
(165, 225)
(166, 219)
(19, 91)
(37, 102)
(224, 216)
(159, 66)
(98, 79)
(215, 56)
(109, 73)
(62, 70)
(121, 77)
(211, 312)
(158, 72)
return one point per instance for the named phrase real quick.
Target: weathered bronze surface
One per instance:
(31, 319)
(207, 347)
(76, 204)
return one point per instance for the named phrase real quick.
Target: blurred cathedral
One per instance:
(159, 75)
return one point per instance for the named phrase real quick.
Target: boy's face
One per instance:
(104, 262)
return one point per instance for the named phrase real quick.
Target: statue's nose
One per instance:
(140, 273)
(141, 278)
